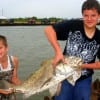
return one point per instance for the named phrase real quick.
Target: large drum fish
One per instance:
(48, 78)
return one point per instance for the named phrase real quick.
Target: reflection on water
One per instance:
(30, 45)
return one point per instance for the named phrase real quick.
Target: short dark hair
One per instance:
(4, 40)
(91, 4)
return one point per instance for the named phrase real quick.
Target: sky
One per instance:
(41, 8)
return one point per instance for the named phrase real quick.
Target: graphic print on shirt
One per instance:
(79, 46)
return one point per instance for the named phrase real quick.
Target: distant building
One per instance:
(31, 21)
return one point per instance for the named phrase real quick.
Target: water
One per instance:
(30, 45)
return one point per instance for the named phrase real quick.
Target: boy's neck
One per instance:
(90, 32)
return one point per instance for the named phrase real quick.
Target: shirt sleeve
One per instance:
(98, 55)
(98, 41)
(62, 29)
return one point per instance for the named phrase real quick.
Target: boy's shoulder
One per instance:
(73, 22)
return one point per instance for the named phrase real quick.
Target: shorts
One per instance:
(81, 90)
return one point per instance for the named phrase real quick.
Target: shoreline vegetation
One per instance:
(31, 21)
(28, 21)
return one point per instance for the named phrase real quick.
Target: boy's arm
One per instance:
(52, 38)
(95, 65)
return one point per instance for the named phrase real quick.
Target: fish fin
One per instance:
(58, 89)
(45, 82)
(55, 90)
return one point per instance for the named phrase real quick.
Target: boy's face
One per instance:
(90, 18)
(3, 50)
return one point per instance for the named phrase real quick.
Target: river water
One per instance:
(31, 47)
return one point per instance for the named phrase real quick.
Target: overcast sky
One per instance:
(41, 8)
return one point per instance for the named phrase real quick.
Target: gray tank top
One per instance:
(6, 74)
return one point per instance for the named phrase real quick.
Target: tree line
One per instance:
(30, 20)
